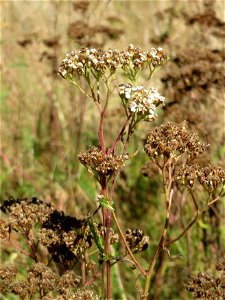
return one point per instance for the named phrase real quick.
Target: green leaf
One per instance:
(104, 202)
(98, 239)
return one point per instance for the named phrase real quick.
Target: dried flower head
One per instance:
(78, 243)
(26, 213)
(105, 165)
(8, 273)
(20, 288)
(140, 101)
(79, 294)
(157, 56)
(4, 229)
(78, 29)
(65, 237)
(187, 174)
(136, 239)
(172, 140)
(220, 266)
(68, 281)
(49, 237)
(40, 276)
(40, 280)
(101, 230)
(208, 286)
(210, 177)
(81, 5)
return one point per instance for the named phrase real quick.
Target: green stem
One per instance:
(161, 246)
(104, 217)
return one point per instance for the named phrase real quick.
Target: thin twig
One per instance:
(127, 246)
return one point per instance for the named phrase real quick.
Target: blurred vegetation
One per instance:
(45, 122)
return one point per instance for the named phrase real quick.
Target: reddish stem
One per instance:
(106, 223)
(119, 136)
(83, 272)
(31, 245)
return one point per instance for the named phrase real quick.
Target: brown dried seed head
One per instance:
(106, 165)
(172, 140)
(4, 229)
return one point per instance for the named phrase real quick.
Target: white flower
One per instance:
(133, 106)
(95, 61)
(127, 94)
(79, 64)
(63, 72)
(153, 53)
(141, 101)
(125, 90)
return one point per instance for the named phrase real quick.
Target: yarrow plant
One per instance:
(172, 148)
(99, 69)
(169, 146)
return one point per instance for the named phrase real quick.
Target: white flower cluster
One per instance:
(141, 101)
(79, 62)
(157, 56)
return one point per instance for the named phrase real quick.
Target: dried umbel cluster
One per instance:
(195, 73)
(220, 266)
(183, 145)
(81, 5)
(140, 102)
(173, 140)
(82, 62)
(207, 286)
(7, 274)
(102, 164)
(195, 82)
(101, 230)
(210, 177)
(4, 229)
(78, 295)
(85, 35)
(65, 237)
(42, 281)
(136, 239)
(25, 213)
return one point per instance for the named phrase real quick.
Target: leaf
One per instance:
(98, 239)
(104, 202)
